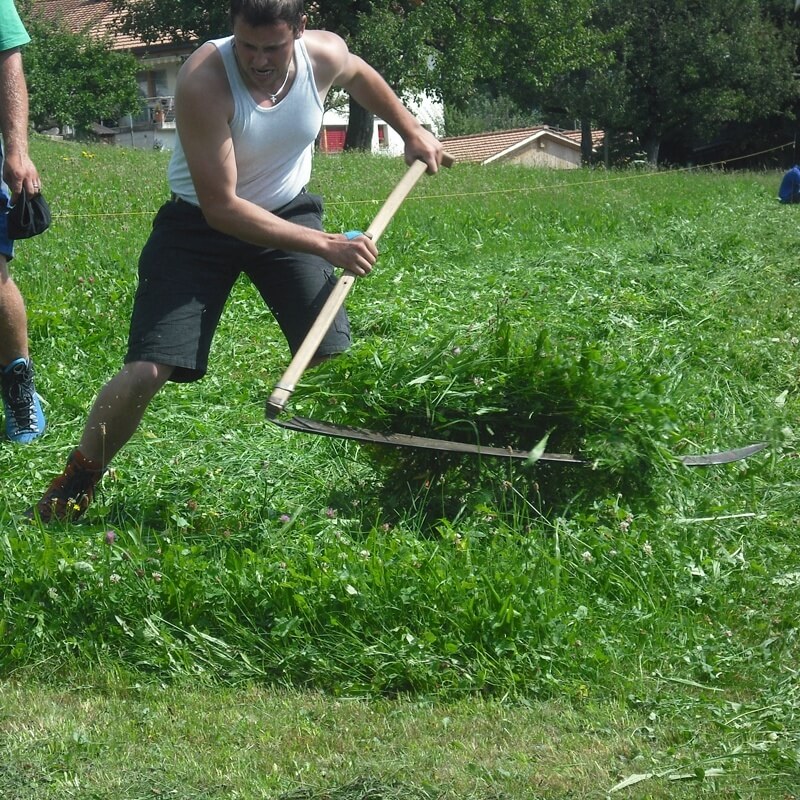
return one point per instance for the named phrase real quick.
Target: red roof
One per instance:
(93, 17)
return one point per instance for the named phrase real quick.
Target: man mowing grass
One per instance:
(248, 109)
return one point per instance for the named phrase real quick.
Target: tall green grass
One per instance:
(630, 317)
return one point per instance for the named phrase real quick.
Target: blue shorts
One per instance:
(187, 270)
(6, 244)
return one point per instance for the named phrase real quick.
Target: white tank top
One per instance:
(273, 146)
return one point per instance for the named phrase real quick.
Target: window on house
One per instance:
(154, 91)
(153, 83)
(383, 136)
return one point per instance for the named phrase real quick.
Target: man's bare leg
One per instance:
(13, 320)
(113, 419)
(119, 408)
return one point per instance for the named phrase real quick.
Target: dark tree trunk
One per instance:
(652, 145)
(587, 146)
(359, 128)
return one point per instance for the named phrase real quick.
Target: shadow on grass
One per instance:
(430, 486)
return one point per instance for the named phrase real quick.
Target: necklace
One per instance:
(274, 97)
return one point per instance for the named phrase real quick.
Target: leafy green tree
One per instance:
(534, 41)
(75, 80)
(484, 113)
(392, 36)
(685, 68)
(460, 50)
(179, 21)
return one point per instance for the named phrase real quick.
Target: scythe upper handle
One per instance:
(305, 353)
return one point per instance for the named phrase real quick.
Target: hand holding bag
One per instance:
(29, 216)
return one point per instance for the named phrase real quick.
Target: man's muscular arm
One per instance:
(335, 65)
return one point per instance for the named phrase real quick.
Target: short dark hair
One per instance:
(268, 12)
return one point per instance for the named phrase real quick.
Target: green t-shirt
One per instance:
(12, 31)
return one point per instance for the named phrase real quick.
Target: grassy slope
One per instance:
(671, 632)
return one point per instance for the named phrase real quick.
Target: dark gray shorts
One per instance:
(186, 273)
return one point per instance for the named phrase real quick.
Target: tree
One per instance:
(484, 113)
(179, 21)
(75, 80)
(684, 68)
(392, 36)
(534, 41)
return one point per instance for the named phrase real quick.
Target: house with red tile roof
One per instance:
(539, 146)
(160, 63)
(154, 126)
(93, 17)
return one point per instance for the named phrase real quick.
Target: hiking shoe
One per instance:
(69, 493)
(23, 410)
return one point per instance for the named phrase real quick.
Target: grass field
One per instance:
(247, 612)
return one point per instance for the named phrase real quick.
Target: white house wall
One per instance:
(427, 110)
(545, 152)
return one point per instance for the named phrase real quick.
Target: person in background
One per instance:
(24, 420)
(789, 190)
(248, 111)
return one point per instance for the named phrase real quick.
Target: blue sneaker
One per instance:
(22, 406)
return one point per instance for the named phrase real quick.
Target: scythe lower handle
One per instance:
(305, 353)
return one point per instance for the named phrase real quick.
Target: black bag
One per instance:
(29, 216)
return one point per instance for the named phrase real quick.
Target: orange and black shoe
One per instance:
(70, 493)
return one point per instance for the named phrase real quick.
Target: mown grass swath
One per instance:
(628, 317)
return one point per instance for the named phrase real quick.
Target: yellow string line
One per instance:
(626, 177)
